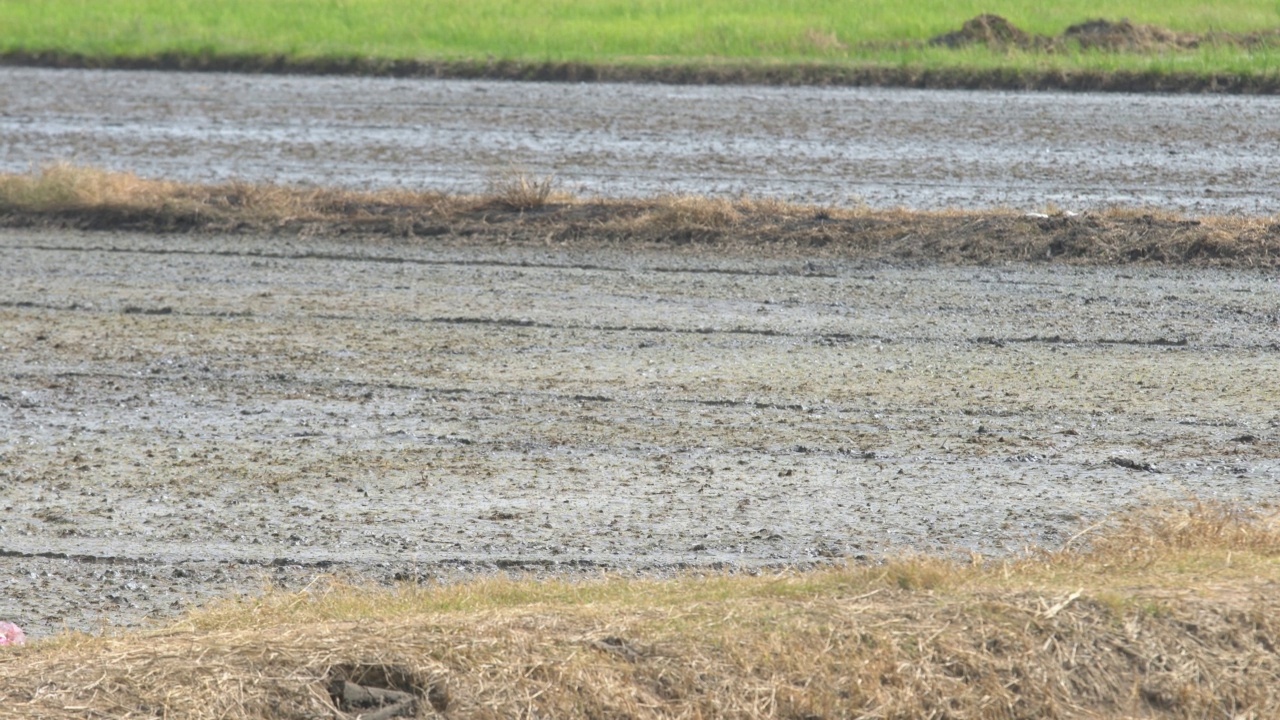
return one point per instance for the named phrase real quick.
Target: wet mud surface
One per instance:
(882, 147)
(196, 416)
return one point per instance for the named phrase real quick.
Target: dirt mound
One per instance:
(986, 29)
(1128, 37)
(994, 31)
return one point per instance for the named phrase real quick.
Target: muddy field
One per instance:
(189, 416)
(885, 148)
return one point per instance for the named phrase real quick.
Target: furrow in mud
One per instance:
(821, 338)
(402, 259)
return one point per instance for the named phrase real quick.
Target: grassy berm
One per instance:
(523, 210)
(1169, 612)
(1177, 45)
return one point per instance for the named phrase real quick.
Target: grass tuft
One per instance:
(1154, 534)
(517, 190)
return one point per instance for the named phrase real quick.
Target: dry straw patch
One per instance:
(66, 187)
(99, 199)
(1172, 612)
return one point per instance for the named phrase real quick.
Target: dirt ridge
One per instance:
(688, 73)
(536, 215)
(970, 238)
(899, 652)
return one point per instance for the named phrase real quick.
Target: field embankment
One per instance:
(524, 210)
(1178, 46)
(1169, 613)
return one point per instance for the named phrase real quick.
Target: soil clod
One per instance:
(1133, 464)
(378, 692)
(621, 648)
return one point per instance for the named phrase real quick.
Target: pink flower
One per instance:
(11, 634)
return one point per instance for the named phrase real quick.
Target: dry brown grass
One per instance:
(87, 198)
(67, 187)
(103, 199)
(1169, 612)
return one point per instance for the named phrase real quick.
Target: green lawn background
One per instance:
(613, 31)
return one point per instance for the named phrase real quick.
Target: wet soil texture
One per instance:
(190, 416)
(882, 147)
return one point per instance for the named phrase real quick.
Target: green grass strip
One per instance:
(836, 34)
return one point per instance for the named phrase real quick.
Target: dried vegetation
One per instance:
(1167, 613)
(521, 209)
